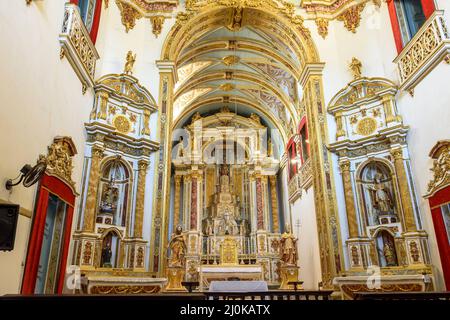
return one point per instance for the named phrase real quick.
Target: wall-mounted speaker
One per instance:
(9, 214)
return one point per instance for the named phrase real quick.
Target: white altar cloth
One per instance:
(238, 286)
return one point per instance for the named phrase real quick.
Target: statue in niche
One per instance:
(130, 60)
(381, 198)
(378, 191)
(110, 196)
(269, 148)
(288, 247)
(177, 247)
(106, 255)
(389, 254)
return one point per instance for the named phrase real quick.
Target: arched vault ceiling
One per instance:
(240, 56)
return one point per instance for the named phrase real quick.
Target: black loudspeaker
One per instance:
(9, 214)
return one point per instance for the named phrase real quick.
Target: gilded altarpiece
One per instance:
(383, 219)
(220, 195)
(110, 231)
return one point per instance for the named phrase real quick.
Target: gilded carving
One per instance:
(366, 126)
(352, 17)
(440, 154)
(157, 24)
(129, 15)
(59, 159)
(322, 27)
(122, 123)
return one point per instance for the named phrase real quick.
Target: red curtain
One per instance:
(440, 198)
(48, 185)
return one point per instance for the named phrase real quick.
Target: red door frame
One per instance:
(436, 201)
(48, 185)
(428, 8)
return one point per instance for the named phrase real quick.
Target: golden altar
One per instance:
(229, 267)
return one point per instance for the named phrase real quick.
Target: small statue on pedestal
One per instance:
(288, 259)
(178, 248)
(175, 270)
(288, 248)
(106, 256)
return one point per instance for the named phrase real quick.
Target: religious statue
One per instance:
(381, 199)
(177, 247)
(255, 118)
(130, 60)
(109, 199)
(389, 254)
(106, 256)
(288, 247)
(269, 148)
(355, 67)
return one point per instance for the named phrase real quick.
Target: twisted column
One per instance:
(273, 192)
(91, 199)
(405, 196)
(140, 198)
(349, 199)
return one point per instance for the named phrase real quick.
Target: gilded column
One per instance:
(389, 109)
(259, 204)
(176, 210)
(140, 198)
(103, 102)
(340, 132)
(349, 199)
(91, 199)
(331, 255)
(273, 191)
(405, 195)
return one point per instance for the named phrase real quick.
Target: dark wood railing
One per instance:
(270, 295)
(402, 296)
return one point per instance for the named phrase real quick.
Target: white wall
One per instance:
(305, 230)
(41, 98)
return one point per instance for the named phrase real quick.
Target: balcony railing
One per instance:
(306, 174)
(426, 49)
(77, 46)
(295, 188)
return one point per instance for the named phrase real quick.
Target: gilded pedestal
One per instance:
(175, 275)
(288, 274)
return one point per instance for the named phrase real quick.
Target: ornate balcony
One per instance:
(77, 46)
(426, 49)
(295, 188)
(306, 174)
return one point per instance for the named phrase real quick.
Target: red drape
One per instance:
(440, 198)
(48, 185)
